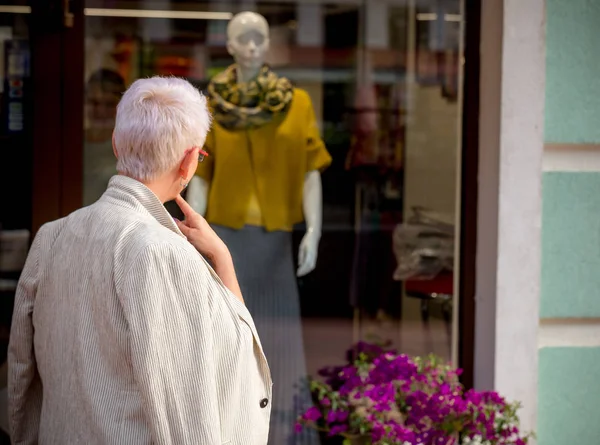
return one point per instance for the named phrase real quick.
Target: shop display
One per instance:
(424, 246)
(263, 177)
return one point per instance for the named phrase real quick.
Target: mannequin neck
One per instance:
(246, 74)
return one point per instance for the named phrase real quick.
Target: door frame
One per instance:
(57, 57)
(469, 192)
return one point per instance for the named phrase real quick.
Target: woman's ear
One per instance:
(114, 146)
(187, 167)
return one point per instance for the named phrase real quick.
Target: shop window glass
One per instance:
(382, 80)
(15, 142)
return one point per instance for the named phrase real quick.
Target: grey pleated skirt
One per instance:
(265, 270)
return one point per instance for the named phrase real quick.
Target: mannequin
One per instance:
(249, 57)
(262, 178)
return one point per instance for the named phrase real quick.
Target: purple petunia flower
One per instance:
(313, 414)
(400, 400)
(383, 395)
(337, 416)
(338, 429)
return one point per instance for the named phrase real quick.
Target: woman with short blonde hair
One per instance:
(122, 331)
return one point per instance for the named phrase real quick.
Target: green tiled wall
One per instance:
(570, 245)
(572, 71)
(569, 386)
(569, 395)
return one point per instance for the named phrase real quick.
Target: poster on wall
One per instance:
(16, 75)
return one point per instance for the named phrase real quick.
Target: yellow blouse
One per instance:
(269, 162)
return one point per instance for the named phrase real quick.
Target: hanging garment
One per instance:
(272, 160)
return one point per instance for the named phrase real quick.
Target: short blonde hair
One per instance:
(158, 119)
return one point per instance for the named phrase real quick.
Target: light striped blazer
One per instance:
(123, 334)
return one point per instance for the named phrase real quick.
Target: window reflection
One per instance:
(383, 80)
(103, 90)
(16, 110)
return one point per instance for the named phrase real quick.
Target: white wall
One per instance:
(509, 207)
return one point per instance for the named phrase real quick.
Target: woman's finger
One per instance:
(184, 206)
(184, 229)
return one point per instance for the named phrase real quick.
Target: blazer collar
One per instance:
(133, 194)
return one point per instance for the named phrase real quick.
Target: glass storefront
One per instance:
(384, 83)
(383, 80)
(15, 111)
(15, 143)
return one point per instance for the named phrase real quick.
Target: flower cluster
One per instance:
(386, 398)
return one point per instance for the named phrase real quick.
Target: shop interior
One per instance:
(384, 79)
(389, 117)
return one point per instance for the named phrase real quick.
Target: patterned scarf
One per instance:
(243, 106)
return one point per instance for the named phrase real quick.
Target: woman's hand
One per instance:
(199, 233)
(207, 242)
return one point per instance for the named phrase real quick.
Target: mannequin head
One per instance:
(248, 43)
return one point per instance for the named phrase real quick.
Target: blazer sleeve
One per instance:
(167, 300)
(24, 383)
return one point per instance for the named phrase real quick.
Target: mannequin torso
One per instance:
(248, 42)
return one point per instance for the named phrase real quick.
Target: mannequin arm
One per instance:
(312, 204)
(197, 194)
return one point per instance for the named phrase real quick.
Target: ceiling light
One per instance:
(426, 17)
(15, 9)
(452, 17)
(157, 14)
(431, 17)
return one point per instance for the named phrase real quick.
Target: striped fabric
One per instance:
(265, 269)
(123, 334)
